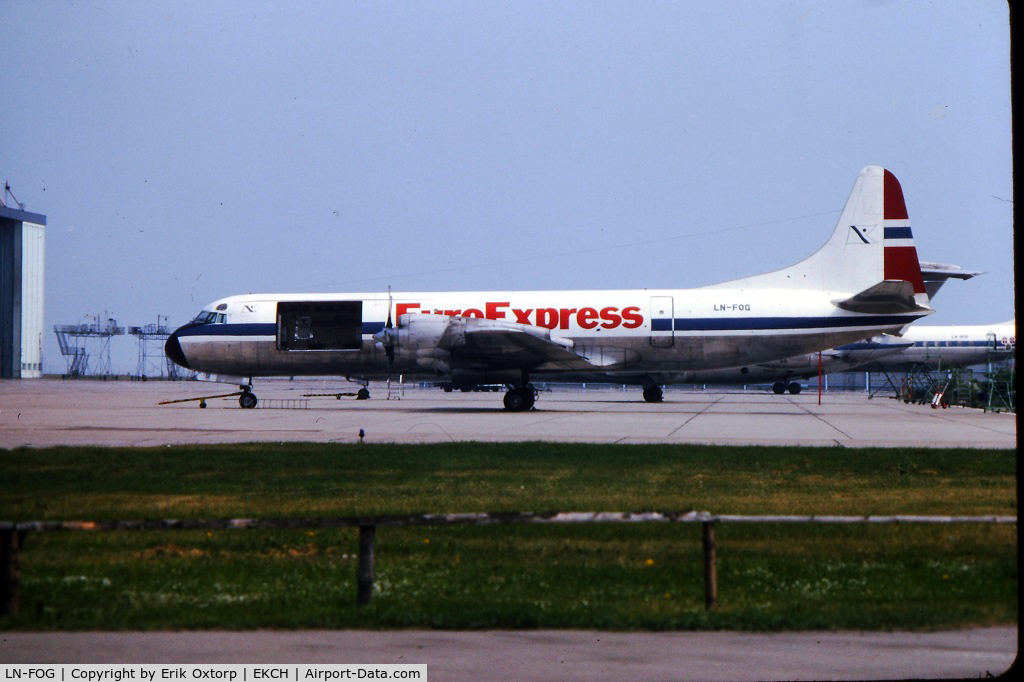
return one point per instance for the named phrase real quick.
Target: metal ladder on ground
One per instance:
(396, 389)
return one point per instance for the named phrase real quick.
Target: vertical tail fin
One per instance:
(872, 243)
(899, 255)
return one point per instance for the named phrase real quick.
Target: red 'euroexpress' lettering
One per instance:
(494, 311)
(631, 317)
(587, 318)
(547, 317)
(609, 317)
(523, 316)
(403, 308)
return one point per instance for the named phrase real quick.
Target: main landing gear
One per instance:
(781, 387)
(520, 398)
(653, 394)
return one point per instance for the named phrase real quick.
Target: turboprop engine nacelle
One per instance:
(427, 340)
(419, 340)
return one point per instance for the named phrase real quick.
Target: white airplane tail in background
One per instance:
(870, 261)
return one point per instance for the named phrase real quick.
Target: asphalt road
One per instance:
(557, 654)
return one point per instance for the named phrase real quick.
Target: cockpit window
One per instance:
(209, 317)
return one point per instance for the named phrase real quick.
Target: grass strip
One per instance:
(620, 577)
(343, 480)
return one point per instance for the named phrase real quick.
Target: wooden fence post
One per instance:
(11, 540)
(710, 571)
(364, 577)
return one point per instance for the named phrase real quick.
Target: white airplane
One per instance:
(948, 346)
(864, 281)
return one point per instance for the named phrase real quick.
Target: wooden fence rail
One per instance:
(14, 534)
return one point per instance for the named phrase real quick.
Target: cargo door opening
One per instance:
(319, 325)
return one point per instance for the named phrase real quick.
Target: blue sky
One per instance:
(183, 151)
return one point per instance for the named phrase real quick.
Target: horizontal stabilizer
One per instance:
(937, 274)
(891, 296)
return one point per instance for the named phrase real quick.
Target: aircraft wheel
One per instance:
(247, 400)
(515, 401)
(779, 387)
(363, 394)
(520, 399)
(653, 394)
(795, 388)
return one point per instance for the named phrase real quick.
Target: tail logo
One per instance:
(860, 233)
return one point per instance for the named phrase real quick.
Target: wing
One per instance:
(447, 343)
(493, 345)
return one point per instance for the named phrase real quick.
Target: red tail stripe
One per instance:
(895, 207)
(901, 263)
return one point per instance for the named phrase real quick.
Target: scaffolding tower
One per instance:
(153, 362)
(917, 383)
(1001, 387)
(993, 390)
(79, 343)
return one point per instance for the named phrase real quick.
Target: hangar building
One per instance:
(22, 241)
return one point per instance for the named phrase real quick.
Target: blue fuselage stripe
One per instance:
(686, 324)
(253, 329)
(658, 324)
(250, 329)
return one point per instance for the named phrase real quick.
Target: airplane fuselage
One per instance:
(663, 334)
(865, 280)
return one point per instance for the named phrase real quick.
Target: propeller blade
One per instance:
(388, 325)
(389, 348)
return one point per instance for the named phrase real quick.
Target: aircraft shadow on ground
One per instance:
(543, 409)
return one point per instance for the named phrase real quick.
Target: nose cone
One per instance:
(173, 350)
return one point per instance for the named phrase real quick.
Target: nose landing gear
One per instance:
(248, 399)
